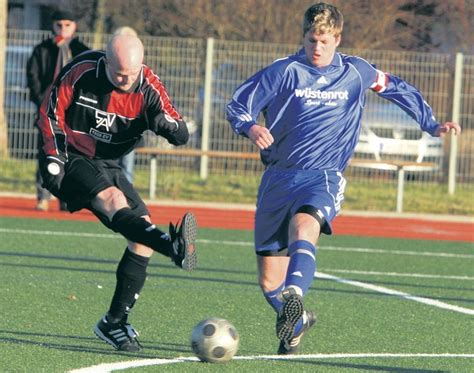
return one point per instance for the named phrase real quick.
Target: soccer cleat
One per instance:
(289, 314)
(291, 346)
(120, 335)
(183, 242)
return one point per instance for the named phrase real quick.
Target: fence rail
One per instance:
(201, 75)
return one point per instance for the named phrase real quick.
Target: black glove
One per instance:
(53, 175)
(175, 131)
(167, 123)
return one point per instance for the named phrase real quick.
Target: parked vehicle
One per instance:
(389, 133)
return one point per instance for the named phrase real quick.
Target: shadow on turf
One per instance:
(209, 269)
(177, 348)
(366, 367)
(315, 287)
(253, 284)
(106, 349)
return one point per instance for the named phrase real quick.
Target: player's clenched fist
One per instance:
(446, 127)
(260, 136)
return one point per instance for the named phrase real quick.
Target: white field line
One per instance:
(384, 290)
(56, 233)
(397, 252)
(122, 365)
(399, 274)
(376, 288)
(248, 244)
(244, 243)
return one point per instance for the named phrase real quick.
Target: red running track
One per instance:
(396, 227)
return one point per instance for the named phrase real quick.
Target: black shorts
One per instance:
(85, 178)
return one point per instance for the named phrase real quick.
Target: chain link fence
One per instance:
(388, 133)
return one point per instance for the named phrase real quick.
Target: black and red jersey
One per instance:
(85, 114)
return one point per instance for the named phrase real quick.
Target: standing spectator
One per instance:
(95, 112)
(43, 66)
(312, 102)
(127, 162)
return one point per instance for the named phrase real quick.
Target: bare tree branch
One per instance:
(422, 25)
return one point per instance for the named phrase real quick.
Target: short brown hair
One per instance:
(323, 18)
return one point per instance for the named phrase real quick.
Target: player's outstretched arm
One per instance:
(444, 128)
(260, 136)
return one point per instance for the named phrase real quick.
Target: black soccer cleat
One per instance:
(183, 242)
(288, 347)
(120, 335)
(290, 313)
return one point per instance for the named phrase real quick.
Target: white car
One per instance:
(388, 133)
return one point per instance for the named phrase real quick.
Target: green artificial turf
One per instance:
(57, 279)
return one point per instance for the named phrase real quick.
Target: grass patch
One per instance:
(56, 284)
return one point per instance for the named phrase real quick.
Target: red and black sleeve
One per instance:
(161, 115)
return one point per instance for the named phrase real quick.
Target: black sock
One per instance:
(131, 275)
(137, 229)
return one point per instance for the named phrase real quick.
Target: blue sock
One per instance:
(271, 297)
(302, 265)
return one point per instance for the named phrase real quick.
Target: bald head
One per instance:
(125, 30)
(124, 60)
(125, 51)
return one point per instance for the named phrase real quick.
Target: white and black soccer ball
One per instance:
(215, 340)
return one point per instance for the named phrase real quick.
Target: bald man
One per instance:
(95, 112)
(127, 162)
(124, 58)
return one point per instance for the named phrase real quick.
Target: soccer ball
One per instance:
(215, 340)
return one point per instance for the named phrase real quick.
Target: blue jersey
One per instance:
(314, 114)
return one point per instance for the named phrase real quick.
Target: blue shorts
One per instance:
(283, 192)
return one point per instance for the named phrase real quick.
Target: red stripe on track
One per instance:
(408, 228)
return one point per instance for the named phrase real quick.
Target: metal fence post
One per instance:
(206, 113)
(453, 148)
(99, 24)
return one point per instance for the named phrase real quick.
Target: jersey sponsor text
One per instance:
(101, 136)
(329, 95)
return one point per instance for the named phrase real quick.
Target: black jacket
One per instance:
(41, 65)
